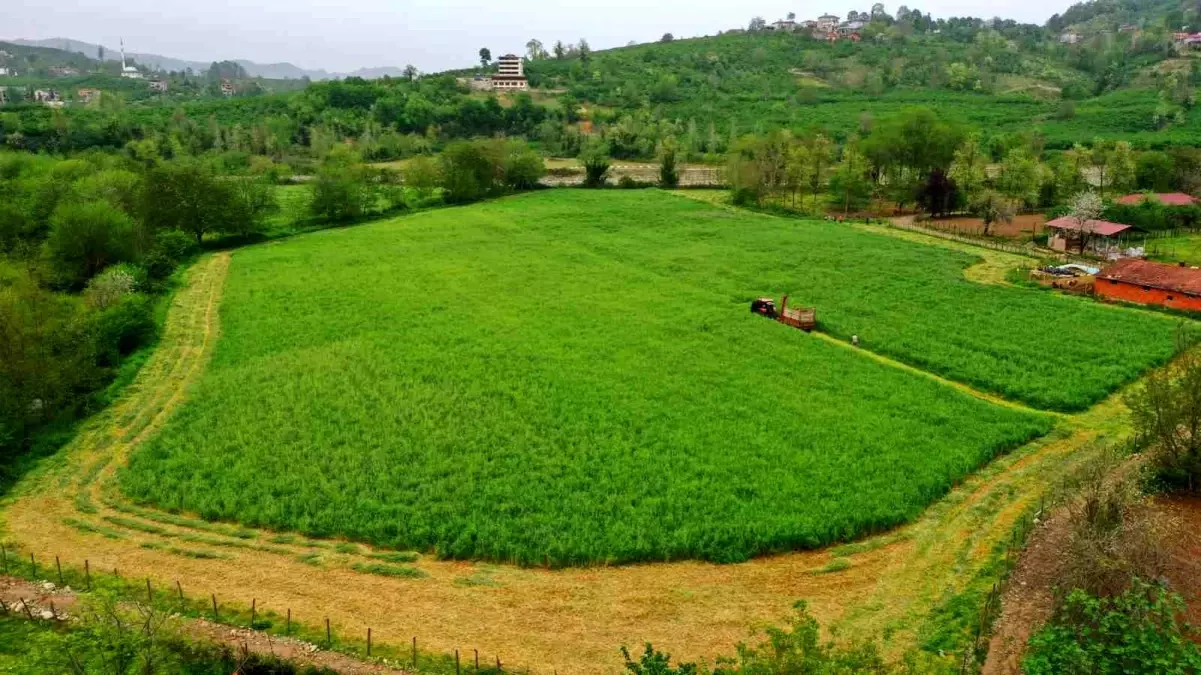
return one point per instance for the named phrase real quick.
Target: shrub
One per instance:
(1136, 632)
(344, 189)
(122, 328)
(1164, 412)
(86, 238)
(111, 286)
(595, 159)
(523, 167)
(669, 177)
(471, 170)
(170, 247)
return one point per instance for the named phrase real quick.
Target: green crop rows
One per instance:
(573, 377)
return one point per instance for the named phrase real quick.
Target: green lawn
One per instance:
(574, 377)
(1185, 248)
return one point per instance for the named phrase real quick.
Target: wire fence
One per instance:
(366, 645)
(976, 651)
(973, 241)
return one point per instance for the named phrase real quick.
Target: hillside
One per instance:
(995, 75)
(273, 71)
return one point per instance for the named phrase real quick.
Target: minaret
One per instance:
(123, 55)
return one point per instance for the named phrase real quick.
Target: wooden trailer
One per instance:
(804, 318)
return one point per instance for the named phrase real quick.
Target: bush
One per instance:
(595, 159)
(523, 167)
(86, 238)
(111, 286)
(1136, 632)
(169, 249)
(344, 190)
(471, 170)
(122, 328)
(669, 177)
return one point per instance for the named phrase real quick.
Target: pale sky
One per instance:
(341, 35)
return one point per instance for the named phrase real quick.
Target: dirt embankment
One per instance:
(1028, 601)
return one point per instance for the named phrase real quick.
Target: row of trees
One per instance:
(87, 244)
(918, 158)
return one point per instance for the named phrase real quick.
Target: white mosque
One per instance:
(126, 69)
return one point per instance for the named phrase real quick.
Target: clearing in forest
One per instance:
(574, 377)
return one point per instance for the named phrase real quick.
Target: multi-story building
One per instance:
(159, 86)
(510, 73)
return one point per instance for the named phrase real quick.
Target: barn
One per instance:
(1149, 283)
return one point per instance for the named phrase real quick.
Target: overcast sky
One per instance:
(341, 35)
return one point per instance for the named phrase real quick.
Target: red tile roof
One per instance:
(1168, 198)
(1184, 280)
(1101, 227)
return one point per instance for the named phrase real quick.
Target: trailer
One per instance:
(804, 318)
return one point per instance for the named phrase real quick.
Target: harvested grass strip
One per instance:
(389, 570)
(132, 524)
(396, 556)
(92, 529)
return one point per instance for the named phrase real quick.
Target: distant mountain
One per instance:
(272, 71)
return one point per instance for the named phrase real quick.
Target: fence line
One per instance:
(184, 604)
(984, 243)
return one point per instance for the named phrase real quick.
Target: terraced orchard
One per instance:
(573, 377)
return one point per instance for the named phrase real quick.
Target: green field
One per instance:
(573, 377)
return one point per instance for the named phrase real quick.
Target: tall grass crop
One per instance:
(573, 377)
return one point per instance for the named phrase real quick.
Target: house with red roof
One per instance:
(1096, 237)
(1148, 283)
(1165, 198)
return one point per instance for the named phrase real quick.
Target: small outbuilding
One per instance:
(1096, 237)
(1149, 283)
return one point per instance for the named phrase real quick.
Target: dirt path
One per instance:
(46, 602)
(569, 620)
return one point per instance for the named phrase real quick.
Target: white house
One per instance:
(827, 22)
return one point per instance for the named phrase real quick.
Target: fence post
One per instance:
(253, 612)
(87, 573)
(456, 662)
(477, 658)
(414, 651)
(179, 589)
(288, 630)
(33, 564)
(329, 639)
(369, 641)
(149, 593)
(498, 666)
(28, 612)
(216, 615)
(59, 565)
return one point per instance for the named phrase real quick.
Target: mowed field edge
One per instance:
(573, 378)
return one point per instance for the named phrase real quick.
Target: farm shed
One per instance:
(1148, 283)
(1101, 237)
(1165, 198)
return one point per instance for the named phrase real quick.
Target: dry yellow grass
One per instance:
(569, 620)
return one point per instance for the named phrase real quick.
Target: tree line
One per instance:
(918, 159)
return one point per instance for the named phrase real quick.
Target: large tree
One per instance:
(485, 56)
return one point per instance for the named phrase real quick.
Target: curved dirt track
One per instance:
(565, 620)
